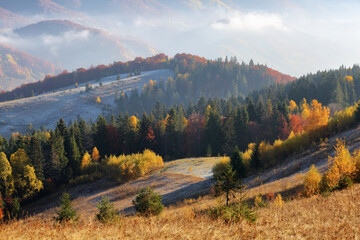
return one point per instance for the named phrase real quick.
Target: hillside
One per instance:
(9, 19)
(45, 110)
(18, 67)
(315, 217)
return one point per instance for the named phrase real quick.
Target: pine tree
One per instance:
(37, 157)
(226, 180)
(237, 163)
(58, 160)
(66, 212)
(74, 157)
(255, 158)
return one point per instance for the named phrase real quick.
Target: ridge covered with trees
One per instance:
(219, 77)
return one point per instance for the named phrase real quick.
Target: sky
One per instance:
(294, 37)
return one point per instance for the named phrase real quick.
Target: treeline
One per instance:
(198, 77)
(336, 88)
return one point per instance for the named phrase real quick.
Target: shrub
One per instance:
(124, 168)
(279, 202)
(312, 181)
(66, 212)
(233, 213)
(341, 166)
(259, 202)
(106, 213)
(148, 203)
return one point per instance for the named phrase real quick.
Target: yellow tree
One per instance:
(292, 106)
(95, 154)
(349, 78)
(312, 181)
(341, 166)
(86, 161)
(6, 181)
(98, 100)
(315, 116)
(134, 122)
(25, 180)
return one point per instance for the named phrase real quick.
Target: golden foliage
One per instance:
(312, 181)
(342, 120)
(349, 78)
(6, 181)
(314, 115)
(292, 106)
(128, 167)
(278, 202)
(98, 100)
(95, 154)
(86, 161)
(341, 165)
(134, 122)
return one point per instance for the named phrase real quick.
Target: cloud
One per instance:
(253, 21)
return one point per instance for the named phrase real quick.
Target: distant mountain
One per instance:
(73, 45)
(17, 67)
(9, 19)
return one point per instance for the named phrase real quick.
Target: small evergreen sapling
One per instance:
(66, 212)
(148, 203)
(106, 213)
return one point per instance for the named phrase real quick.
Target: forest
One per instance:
(219, 76)
(265, 126)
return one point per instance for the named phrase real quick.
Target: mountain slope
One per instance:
(9, 19)
(17, 67)
(73, 45)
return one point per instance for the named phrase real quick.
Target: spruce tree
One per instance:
(237, 163)
(255, 158)
(66, 212)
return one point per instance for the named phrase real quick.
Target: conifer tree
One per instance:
(255, 158)
(66, 212)
(237, 163)
(37, 157)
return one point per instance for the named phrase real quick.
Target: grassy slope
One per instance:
(47, 109)
(313, 218)
(334, 217)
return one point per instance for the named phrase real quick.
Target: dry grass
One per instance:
(333, 217)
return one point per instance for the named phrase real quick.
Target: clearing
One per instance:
(46, 109)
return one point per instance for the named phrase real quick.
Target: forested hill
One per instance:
(196, 76)
(337, 88)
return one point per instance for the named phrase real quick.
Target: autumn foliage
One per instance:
(314, 115)
(127, 167)
(341, 167)
(312, 181)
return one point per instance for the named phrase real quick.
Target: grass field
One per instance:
(333, 217)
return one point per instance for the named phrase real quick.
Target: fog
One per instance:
(294, 37)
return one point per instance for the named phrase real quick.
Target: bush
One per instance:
(107, 213)
(259, 202)
(312, 181)
(148, 203)
(279, 202)
(233, 213)
(66, 212)
(341, 166)
(124, 168)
